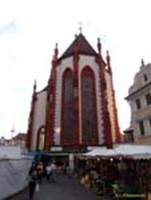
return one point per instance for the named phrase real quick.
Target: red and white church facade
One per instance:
(77, 108)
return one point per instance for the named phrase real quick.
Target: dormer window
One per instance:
(145, 78)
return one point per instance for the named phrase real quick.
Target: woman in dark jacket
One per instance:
(32, 184)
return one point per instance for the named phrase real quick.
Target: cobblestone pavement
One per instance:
(65, 188)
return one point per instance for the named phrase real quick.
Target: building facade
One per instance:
(20, 140)
(139, 99)
(77, 108)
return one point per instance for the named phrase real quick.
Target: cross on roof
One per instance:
(80, 27)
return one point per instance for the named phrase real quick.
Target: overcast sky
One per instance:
(29, 30)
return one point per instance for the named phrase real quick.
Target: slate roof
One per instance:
(83, 47)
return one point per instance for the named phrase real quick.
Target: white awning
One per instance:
(10, 152)
(132, 150)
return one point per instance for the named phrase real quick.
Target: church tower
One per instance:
(79, 100)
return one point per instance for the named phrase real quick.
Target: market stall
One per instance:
(14, 168)
(124, 170)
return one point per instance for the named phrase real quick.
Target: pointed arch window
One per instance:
(40, 138)
(89, 116)
(67, 111)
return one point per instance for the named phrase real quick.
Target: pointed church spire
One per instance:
(142, 62)
(108, 60)
(56, 51)
(35, 86)
(99, 46)
(107, 57)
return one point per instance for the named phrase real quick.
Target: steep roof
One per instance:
(83, 47)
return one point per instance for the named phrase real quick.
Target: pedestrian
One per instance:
(54, 168)
(32, 184)
(33, 166)
(40, 171)
(65, 168)
(48, 171)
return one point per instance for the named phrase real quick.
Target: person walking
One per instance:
(48, 171)
(32, 184)
(40, 171)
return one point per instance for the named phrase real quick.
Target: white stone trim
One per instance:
(65, 64)
(90, 61)
(39, 117)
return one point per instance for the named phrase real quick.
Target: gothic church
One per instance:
(77, 108)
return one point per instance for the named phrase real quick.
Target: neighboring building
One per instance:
(3, 141)
(77, 108)
(20, 140)
(128, 136)
(139, 98)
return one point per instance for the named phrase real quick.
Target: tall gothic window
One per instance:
(89, 120)
(67, 114)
